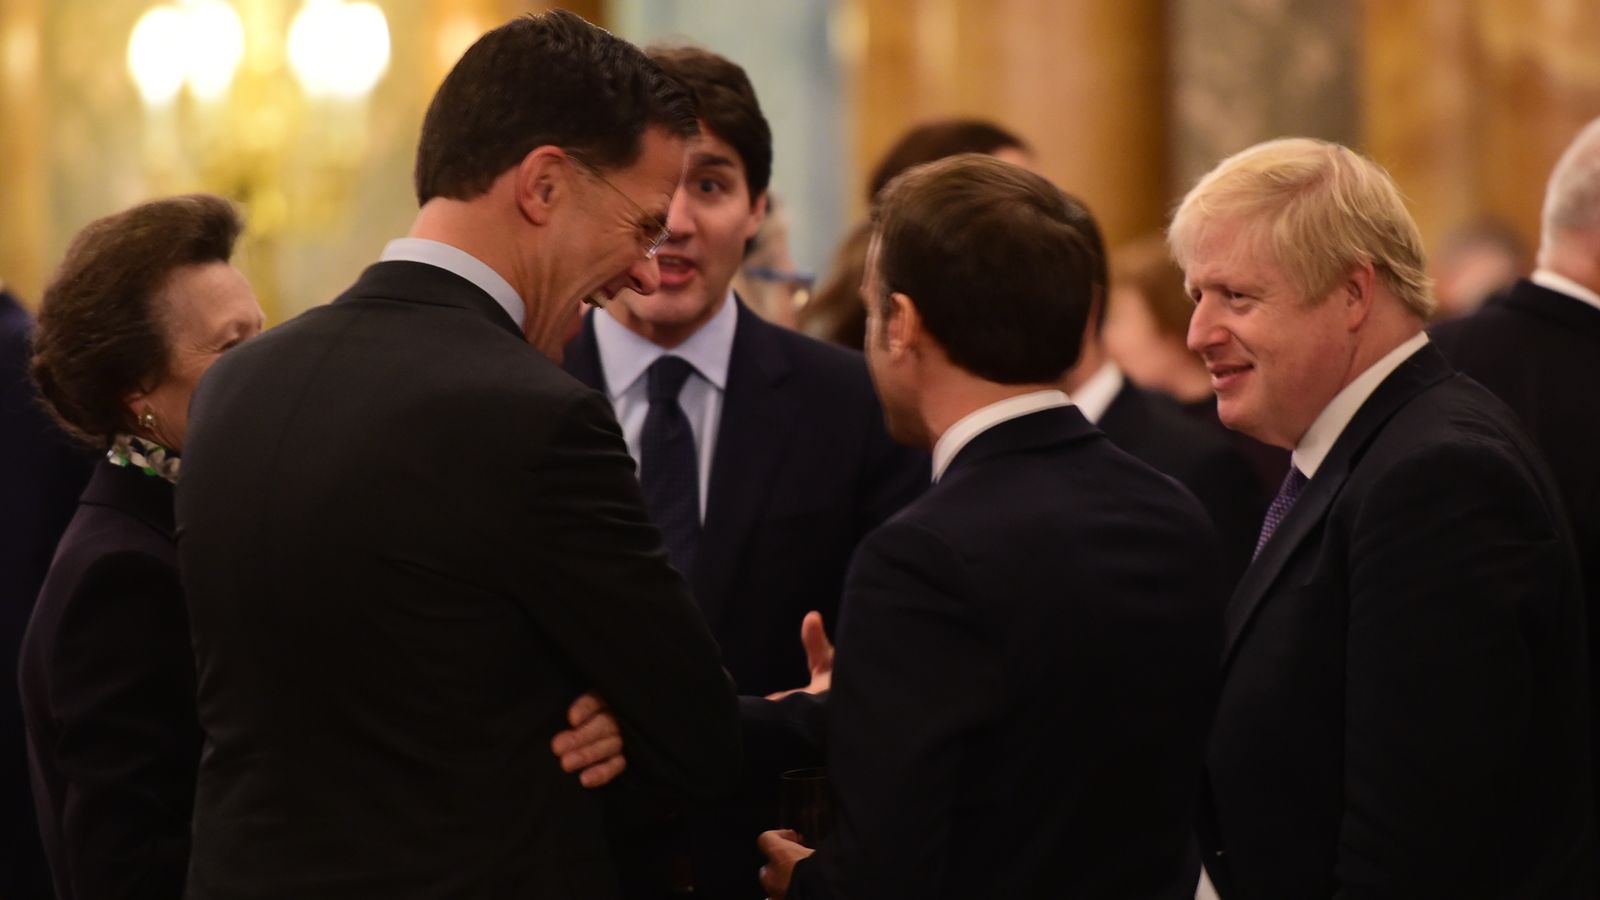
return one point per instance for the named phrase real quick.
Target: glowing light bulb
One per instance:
(339, 49)
(155, 57)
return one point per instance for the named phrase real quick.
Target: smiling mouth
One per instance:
(1225, 375)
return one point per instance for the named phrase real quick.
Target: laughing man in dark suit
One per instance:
(1027, 654)
(1403, 709)
(1537, 347)
(409, 540)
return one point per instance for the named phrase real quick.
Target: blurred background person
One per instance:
(42, 472)
(834, 312)
(1147, 317)
(1475, 262)
(144, 302)
(1155, 429)
(1538, 348)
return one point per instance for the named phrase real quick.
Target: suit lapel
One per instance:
(752, 442)
(1422, 370)
(583, 356)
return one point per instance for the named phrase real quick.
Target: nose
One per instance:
(1203, 329)
(644, 276)
(679, 220)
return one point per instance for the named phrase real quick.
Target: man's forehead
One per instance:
(707, 148)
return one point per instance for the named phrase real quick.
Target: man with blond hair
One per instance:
(1403, 710)
(1538, 348)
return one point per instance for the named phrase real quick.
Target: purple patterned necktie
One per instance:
(1293, 484)
(668, 465)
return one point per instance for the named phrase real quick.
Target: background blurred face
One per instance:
(1276, 357)
(711, 218)
(204, 310)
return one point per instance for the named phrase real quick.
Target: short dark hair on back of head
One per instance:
(996, 261)
(548, 79)
(727, 105)
(101, 335)
(936, 140)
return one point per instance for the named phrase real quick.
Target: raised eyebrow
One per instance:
(709, 161)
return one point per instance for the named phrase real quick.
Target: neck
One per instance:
(1090, 360)
(1575, 256)
(666, 335)
(471, 227)
(957, 394)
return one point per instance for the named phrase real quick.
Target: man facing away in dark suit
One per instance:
(1027, 653)
(1537, 347)
(409, 540)
(761, 452)
(1403, 710)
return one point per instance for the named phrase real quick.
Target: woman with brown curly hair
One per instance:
(144, 302)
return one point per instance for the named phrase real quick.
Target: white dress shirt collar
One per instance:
(624, 356)
(460, 262)
(1331, 422)
(1561, 284)
(1094, 396)
(978, 421)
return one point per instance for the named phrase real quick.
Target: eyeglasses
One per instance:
(652, 245)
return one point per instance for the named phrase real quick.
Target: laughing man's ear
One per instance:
(542, 180)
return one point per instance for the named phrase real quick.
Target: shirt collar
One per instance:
(1094, 396)
(624, 355)
(978, 421)
(1561, 284)
(1320, 437)
(460, 262)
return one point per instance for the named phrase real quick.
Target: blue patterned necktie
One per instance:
(1293, 484)
(668, 464)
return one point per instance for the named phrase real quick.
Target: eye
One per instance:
(709, 186)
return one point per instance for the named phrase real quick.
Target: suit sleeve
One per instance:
(1453, 556)
(121, 690)
(601, 585)
(914, 679)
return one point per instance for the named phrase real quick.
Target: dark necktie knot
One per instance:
(665, 377)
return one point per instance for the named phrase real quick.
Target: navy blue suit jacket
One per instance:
(1403, 710)
(1539, 351)
(1156, 429)
(108, 687)
(1025, 674)
(803, 469)
(41, 474)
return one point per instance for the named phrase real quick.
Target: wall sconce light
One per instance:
(338, 49)
(243, 100)
(198, 43)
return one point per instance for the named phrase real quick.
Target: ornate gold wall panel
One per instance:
(1470, 103)
(1083, 82)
